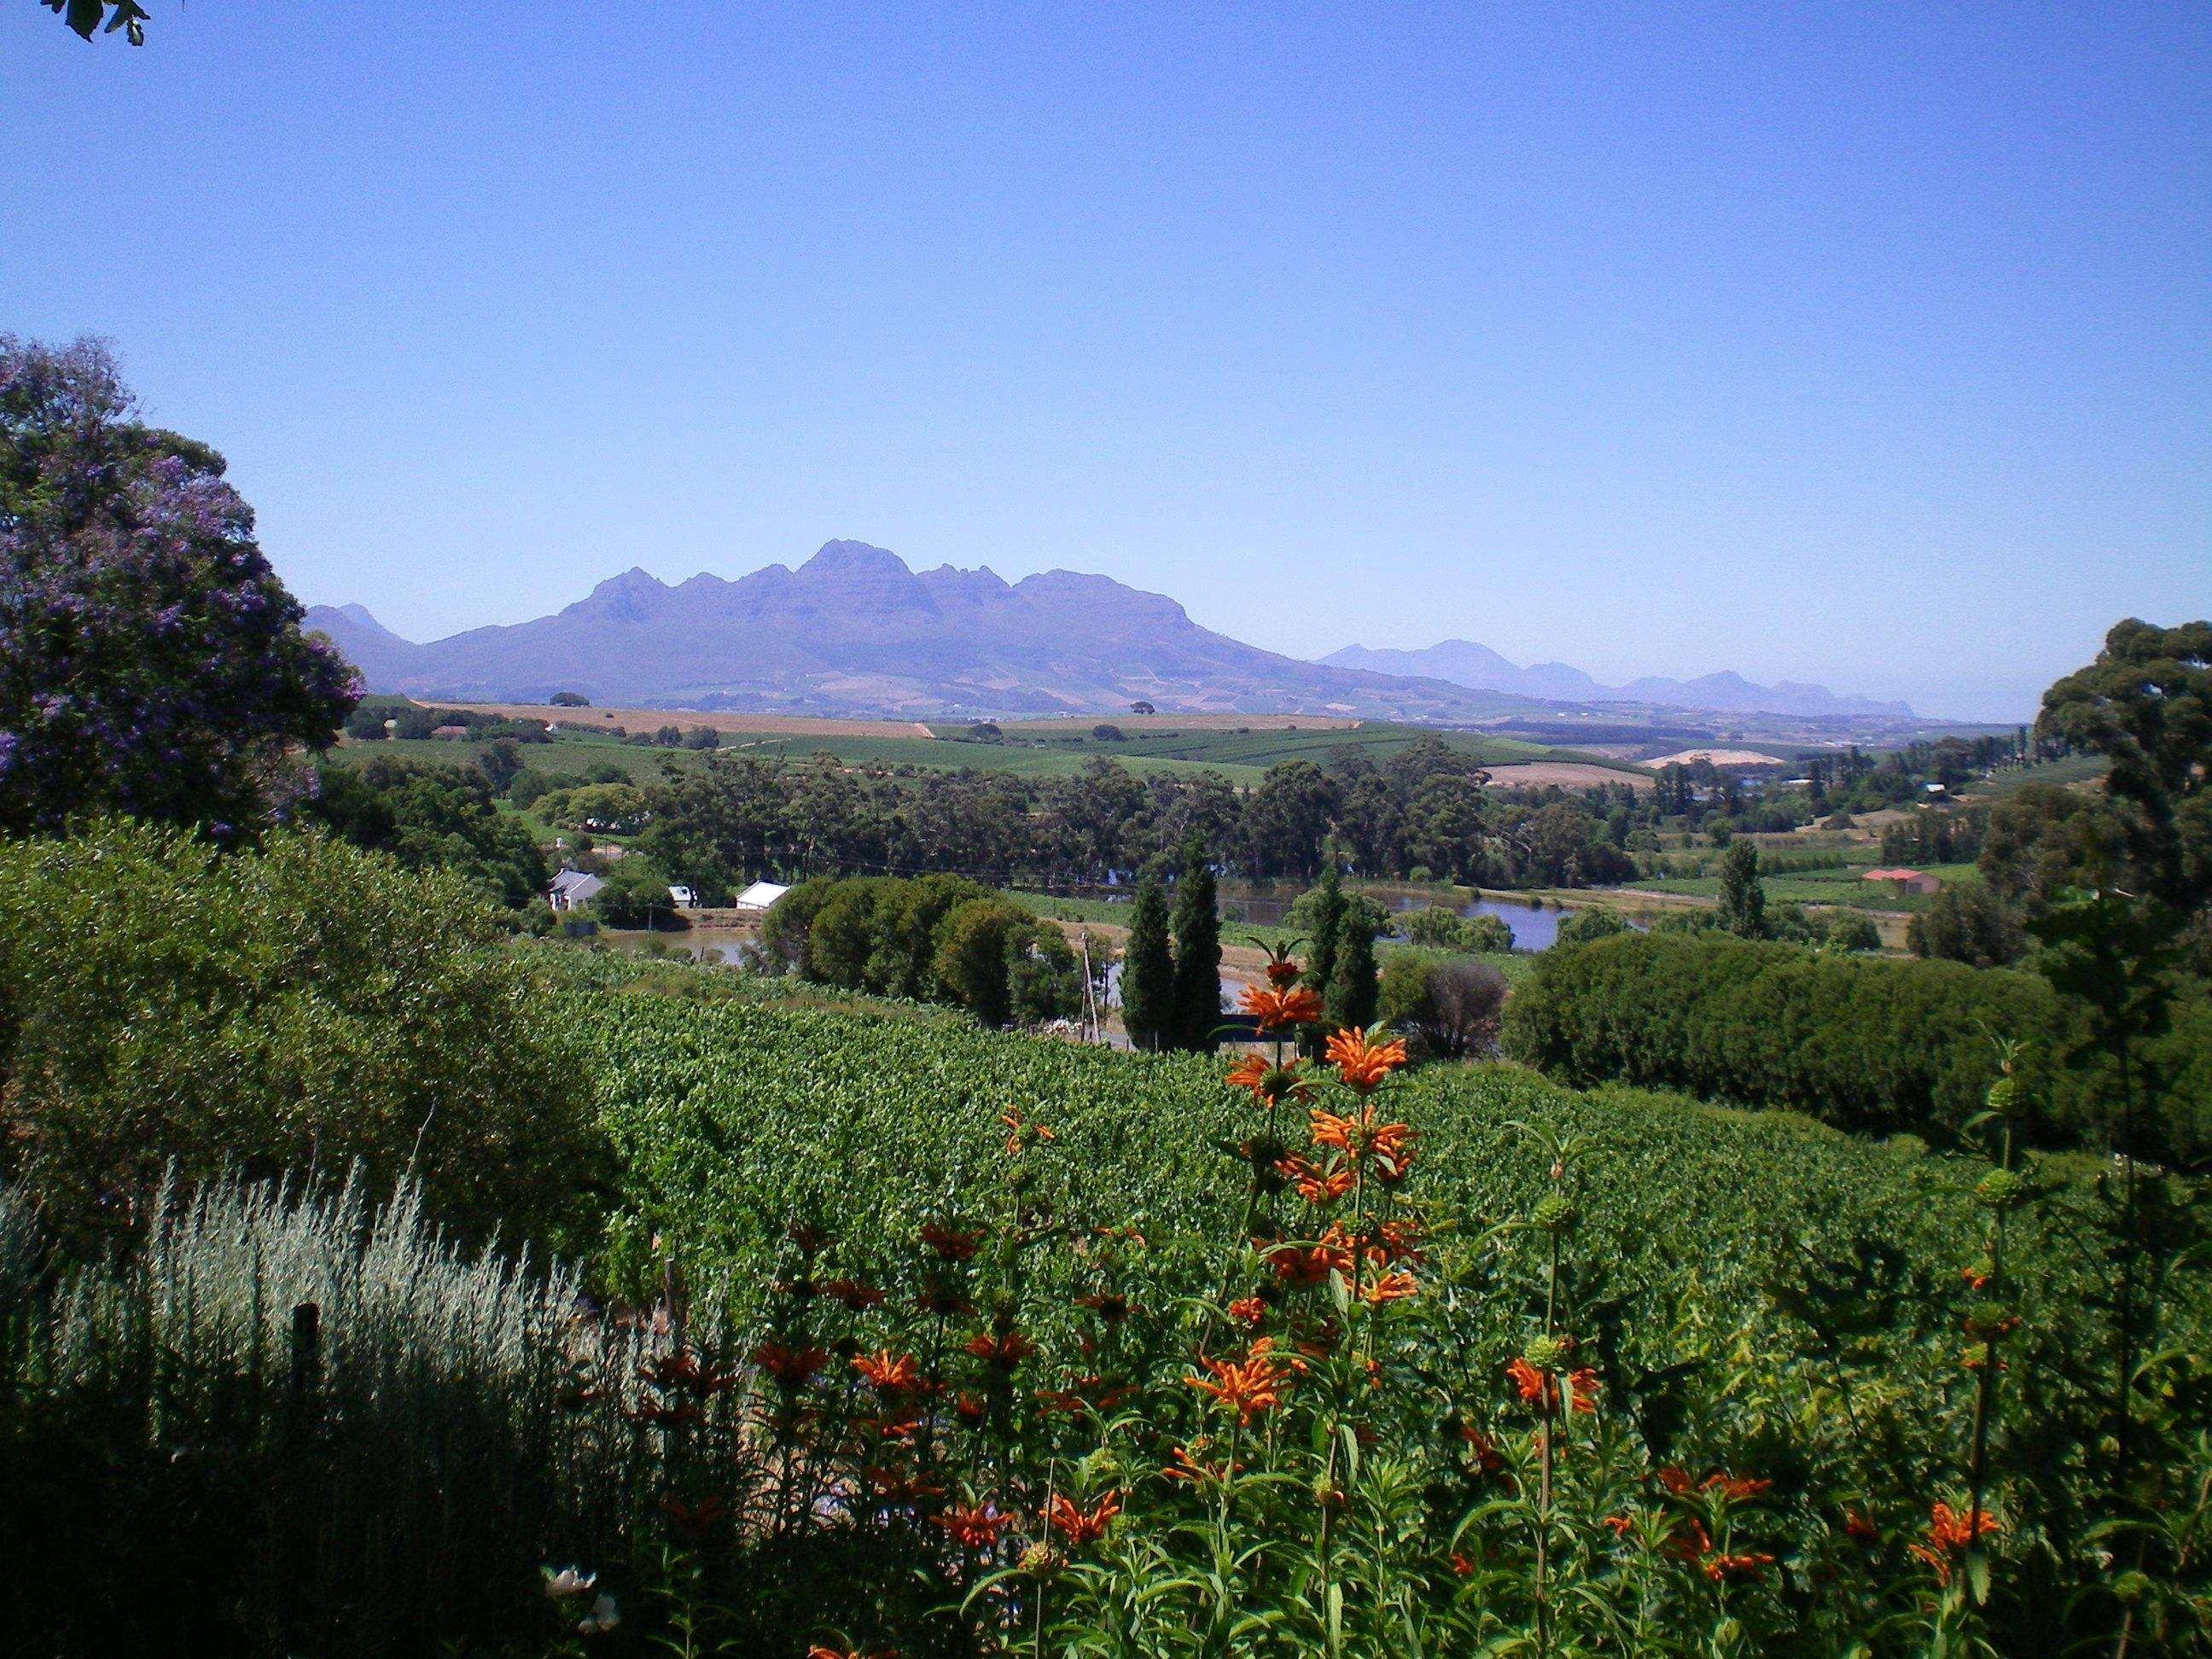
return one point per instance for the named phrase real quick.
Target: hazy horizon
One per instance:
(1858, 348)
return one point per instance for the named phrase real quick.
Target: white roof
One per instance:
(577, 883)
(761, 896)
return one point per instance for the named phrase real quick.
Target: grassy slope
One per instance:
(1842, 886)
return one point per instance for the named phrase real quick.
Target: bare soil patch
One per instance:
(1568, 774)
(1717, 756)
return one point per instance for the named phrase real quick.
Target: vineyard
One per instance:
(1611, 1371)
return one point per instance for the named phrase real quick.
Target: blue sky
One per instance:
(1865, 343)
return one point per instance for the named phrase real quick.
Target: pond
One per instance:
(728, 946)
(1534, 927)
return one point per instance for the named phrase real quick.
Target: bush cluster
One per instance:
(163, 1004)
(1861, 1042)
(932, 939)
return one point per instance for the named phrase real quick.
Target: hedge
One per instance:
(1866, 1045)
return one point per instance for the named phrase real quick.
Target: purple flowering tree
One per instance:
(151, 663)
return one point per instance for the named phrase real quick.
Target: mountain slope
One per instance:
(854, 631)
(1477, 666)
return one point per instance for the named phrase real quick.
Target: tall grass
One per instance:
(294, 1421)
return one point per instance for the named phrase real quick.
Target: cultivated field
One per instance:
(652, 720)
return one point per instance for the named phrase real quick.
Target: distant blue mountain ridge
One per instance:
(1464, 662)
(852, 631)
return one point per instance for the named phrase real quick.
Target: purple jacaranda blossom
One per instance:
(155, 662)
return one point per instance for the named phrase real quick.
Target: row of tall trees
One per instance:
(743, 816)
(1171, 966)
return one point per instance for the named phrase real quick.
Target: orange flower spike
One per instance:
(1361, 1063)
(1248, 1073)
(1248, 1309)
(1390, 1287)
(1318, 1187)
(1531, 1384)
(1722, 1565)
(1582, 1390)
(1950, 1531)
(1004, 1352)
(1249, 1386)
(1278, 1010)
(791, 1367)
(889, 1375)
(1078, 1526)
(974, 1526)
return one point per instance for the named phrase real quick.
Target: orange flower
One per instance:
(1109, 1305)
(889, 1375)
(1857, 1526)
(1183, 1464)
(1582, 1390)
(818, 1651)
(1390, 1287)
(951, 1244)
(1723, 1566)
(1006, 1352)
(1318, 1186)
(1283, 973)
(790, 1367)
(1361, 1136)
(969, 1408)
(1278, 1009)
(974, 1526)
(1735, 1488)
(1012, 1120)
(1482, 1448)
(1078, 1526)
(852, 1293)
(1532, 1385)
(1689, 1540)
(1622, 1525)
(1248, 1309)
(1462, 1565)
(1949, 1532)
(1248, 1387)
(1361, 1063)
(1270, 1085)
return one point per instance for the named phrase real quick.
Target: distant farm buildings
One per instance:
(760, 898)
(1905, 881)
(571, 889)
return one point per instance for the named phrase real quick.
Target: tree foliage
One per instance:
(304, 1005)
(151, 660)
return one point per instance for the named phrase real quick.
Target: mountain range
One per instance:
(853, 630)
(1464, 662)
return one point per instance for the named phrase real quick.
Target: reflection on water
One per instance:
(1532, 928)
(728, 946)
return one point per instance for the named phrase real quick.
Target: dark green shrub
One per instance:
(1868, 1044)
(305, 1003)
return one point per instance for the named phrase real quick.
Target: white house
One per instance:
(760, 898)
(683, 897)
(571, 889)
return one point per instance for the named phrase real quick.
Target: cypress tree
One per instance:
(1743, 901)
(1197, 951)
(1351, 995)
(1327, 908)
(1327, 931)
(1148, 978)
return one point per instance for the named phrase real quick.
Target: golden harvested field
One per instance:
(652, 720)
(1184, 723)
(1717, 756)
(1568, 774)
